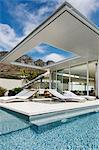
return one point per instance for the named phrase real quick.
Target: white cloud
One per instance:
(53, 57)
(34, 19)
(29, 20)
(8, 38)
(86, 7)
(40, 49)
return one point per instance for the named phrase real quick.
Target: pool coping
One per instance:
(21, 107)
(27, 116)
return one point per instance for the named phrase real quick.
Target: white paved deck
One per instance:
(35, 108)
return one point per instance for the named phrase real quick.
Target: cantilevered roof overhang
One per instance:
(66, 29)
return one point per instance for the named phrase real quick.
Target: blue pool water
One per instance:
(9, 123)
(80, 134)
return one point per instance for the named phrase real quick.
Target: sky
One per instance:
(19, 17)
(48, 52)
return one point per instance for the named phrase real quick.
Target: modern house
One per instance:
(68, 30)
(47, 119)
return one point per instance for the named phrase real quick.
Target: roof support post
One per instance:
(69, 79)
(50, 79)
(87, 79)
(97, 79)
(62, 81)
(56, 80)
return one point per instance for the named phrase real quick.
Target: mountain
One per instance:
(9, 71)
(12, 71)
(15, 72)
(39, 62)
(50, 62)
(2, 54)
(26, 60)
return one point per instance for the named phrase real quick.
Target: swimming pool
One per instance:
(10, 123)
(81, 133)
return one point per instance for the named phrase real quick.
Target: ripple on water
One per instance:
(80, 134)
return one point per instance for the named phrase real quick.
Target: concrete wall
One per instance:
(10, 83)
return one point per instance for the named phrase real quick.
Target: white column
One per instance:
(50, 78)
(71, 85)
(87, 79)
(69, 80)
(62, 80)
(56, 79)
(97, 79)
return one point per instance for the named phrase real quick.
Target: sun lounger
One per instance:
(73, 97)
(56, 95)
(71, 94)
(90, 98)
(22, 93)
(22, 96)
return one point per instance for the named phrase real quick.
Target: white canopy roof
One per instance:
(66, 29)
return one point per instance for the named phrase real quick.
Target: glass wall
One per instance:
(78, 79)
(92, 79)
(60, 80)
(66, 80)
(54, 80)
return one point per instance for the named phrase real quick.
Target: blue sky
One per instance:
(48, 52)
(19, 17)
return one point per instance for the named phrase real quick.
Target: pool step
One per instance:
(51, 119)
(62, 116)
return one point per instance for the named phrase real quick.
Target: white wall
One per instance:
(10, 83)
